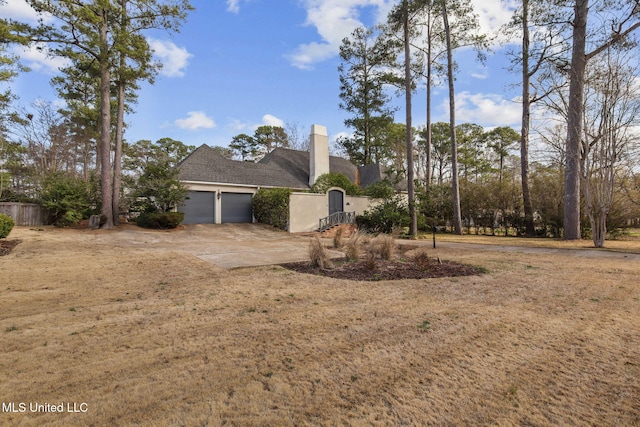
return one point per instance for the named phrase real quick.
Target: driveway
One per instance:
(225, 245)
(245, 245)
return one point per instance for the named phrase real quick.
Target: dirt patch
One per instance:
(386, 270)
(6, 246)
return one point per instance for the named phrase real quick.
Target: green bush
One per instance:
(66, 198)
(380, 190)
(6, 225)
(271, 206)
(384, 217)
(160, 220)
(340, 180)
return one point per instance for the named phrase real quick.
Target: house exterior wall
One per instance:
(305, 211)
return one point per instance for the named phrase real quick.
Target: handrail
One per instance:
(337, 218)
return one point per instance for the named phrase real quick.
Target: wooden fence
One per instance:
(24, 213)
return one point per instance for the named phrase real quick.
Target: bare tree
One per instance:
(611, 110)
(623, 18)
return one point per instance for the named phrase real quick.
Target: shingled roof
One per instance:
(282, 167)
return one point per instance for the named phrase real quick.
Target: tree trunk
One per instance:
(457, 216)
(526, 117)
(413, 226)
(105, 129)
(571, 221)
(427, 183)
(117, 156)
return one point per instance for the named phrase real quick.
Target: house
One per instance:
(220, 189)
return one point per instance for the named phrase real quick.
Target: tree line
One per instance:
(105, 45)
(579, 70)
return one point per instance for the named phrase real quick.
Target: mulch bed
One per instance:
(6, 246)
(386, 270)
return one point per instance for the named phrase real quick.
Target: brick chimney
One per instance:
(318, 153)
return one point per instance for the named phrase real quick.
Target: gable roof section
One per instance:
(207, 165)
(297, 163)
(282, 167)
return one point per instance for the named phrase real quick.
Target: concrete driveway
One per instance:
(225, 245)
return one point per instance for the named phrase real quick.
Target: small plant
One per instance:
(11, 328)
(337, 238)
(384, 245)
(160, 220)
(6, 225)
(421, 259)
(318, 254)
(425, 326)
(371, 261)
(352, 248)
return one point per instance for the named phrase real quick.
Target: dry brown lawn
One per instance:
(147, 337)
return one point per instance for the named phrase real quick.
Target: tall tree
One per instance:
(457, 217)
(623, 18)
(543, 47)
(95, 29)
(364, 72)
(465, 31)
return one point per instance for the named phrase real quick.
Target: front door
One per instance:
(336, 201)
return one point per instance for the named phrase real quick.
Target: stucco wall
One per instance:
(305, 210)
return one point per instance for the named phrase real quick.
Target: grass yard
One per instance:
(148, 337)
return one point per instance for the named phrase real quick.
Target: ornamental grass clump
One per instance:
(420, 259)
(384, 245)
(318, 255)
(352, 248)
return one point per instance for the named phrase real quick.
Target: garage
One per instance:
(199, 207)
(236, 207)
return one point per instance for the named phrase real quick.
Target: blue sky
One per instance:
(238, 64)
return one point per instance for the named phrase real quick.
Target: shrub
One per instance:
(318, 255)
(66, 198)
(328, 180)
(384, 217)
(380, 190)
(160, 220)
(271, 206)
(6, 225)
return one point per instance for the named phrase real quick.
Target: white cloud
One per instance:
(334, 20)
(174, 59)
(269, 120)
(233, 6)
(493, 14)
(37, 58)
(240, 126)
(20, 10)
(196, 120)
(485, 109)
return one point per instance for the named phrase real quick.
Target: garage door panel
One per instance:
(199, 208)
(236, 207)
